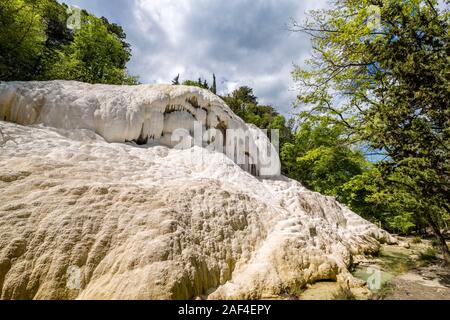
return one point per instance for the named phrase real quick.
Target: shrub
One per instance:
(343, 293)
(416, 240)
(434, 243)
(428, 255)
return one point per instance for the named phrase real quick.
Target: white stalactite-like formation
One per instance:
(143, 114)
(85, 218)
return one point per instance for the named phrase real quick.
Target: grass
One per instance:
(396, 261)
(434, 243)
(343, 293)
(381, 294)
(429, 255)
(393, 261)
(416, 240)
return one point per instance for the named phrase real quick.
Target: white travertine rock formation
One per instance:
(144, 114)
(83, 216)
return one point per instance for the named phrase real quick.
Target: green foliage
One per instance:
(416, 240)
(402, 223)
(388, 85)
(22, 38)
(176, 80)
(214, 85)
(95, 55)
(434, 243)
(429, 255)
(375, 199)
(36, 44)
(245, 104)
(316, 153)
(242, 95)
(321, 159)
(357, 194)
(200, 83)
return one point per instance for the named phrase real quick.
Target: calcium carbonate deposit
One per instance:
(96, 202)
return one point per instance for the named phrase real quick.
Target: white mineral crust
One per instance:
(87, 214)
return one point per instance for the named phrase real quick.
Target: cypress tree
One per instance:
(176, 80)
(214, 85)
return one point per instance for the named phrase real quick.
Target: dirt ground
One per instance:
(405, 272)
(426, 283)
(411, 272)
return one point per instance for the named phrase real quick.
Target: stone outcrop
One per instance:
(86, 215)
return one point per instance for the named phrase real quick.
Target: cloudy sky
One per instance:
(244, 42)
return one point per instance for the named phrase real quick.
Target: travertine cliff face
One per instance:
(143, 114)
(84, 215)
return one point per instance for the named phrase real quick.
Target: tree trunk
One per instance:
(439, 237)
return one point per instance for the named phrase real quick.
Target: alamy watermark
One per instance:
(4, 138)
(374, 20)
(374, 280)
(73, 276)
(255, 150)
(74, 20)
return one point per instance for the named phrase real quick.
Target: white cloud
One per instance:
(244, 42)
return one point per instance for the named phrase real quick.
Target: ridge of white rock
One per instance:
(84, 218)
(163, 114)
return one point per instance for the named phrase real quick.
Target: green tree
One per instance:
(320, 157)
(245, 104)
(36, 44)
(316, 153)
(393, 206)
(114, 28)
(95, 55)
(22, 38)
(244, 94)
(193, 83)
(176, 80)
(387, 83)
(214, 85)
(199, 83)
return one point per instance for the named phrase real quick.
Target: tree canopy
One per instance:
(386, 82)
(321, 159)
(37, 44)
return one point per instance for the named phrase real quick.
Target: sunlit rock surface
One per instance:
(143, 114)
(86, 215)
